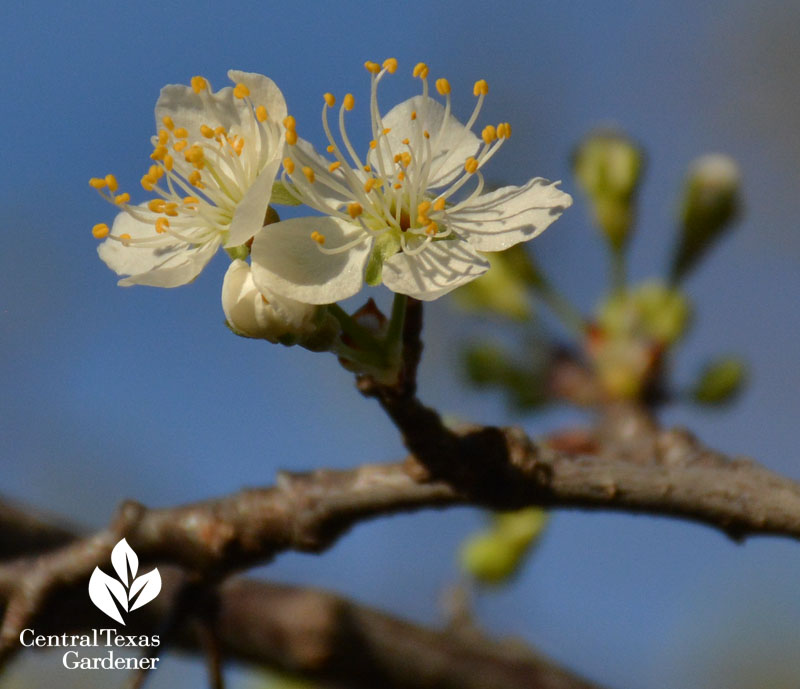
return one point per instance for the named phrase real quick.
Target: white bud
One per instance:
(269, 317)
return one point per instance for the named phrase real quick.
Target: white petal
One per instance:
(457, 143)
(263, 91)
(170, 264)
(248, 218)
(503, 218)
(251, 315)
(286, 260)
(436, 270)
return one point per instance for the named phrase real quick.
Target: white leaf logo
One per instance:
(108, 593)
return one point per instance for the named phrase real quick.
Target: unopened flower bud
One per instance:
(711, 201)
(720, 381)
(271, 317)
(608, 166)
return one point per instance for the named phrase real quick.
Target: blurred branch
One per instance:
(317, 635)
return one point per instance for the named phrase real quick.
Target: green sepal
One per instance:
(282, 196)
(386, 246)
(242, 251)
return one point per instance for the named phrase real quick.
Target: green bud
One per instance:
(494, 555)
(711, 202)
(608, 166)
(720, 381)
(500, 291)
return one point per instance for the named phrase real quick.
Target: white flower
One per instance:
(269, 317)
(395, 213)
(215, 159)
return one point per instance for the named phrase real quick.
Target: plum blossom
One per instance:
(396, 215)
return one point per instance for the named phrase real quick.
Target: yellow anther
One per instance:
(241, 91)
(180, 145)
(194, 179)
(125, 238)
(503, 130)
(122, 198)
(471, 165)
(155, 172)
(97, 183)
(291, 137)
(431, 229)
(261, 113)
(390, 65)
(168, 123)
(199, 84)
(443, 87)
(481, 88)
(111, 182)
(238, 146)
(163, 136)
(194, 155)
(289, 122)
(372, 67)
(489, 134)
(439, 204)
(190, 199)
(219, 131)
(318, 238)
(162, 224)
(354, 210)
(405, 157)
(171, 209)
(330, 148)
(156, 205)
(206, 131)
(413, 114)
(330, 99)
(367, 168)
(422, 212)
(386, 131)
(426, 134)
(309, 173)
(373, 144)
(369, 185)
(334, 166)
(288, 165)
(401, 175)
(405, 141)
(397, 185)
(148, 182)
(349, 102)
(168, 162)
(100, 231)
(159, 152)
(181, 133)
(421, 70)
(397, 158)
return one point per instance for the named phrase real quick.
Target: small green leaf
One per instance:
(720, 381)
(385, 246)
(281, 195)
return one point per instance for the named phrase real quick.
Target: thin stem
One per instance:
(394, 333)
(619, 270)
(360, 336)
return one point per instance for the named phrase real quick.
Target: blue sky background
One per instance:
(111, 393)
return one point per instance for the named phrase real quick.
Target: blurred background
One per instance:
(111, 393)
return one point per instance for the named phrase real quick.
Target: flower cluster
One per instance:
(410, 213)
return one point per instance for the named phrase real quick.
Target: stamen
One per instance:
(390, 65)
(330, 99)
(168, 123)
(413, 114)
(122, 198)
(318, 238)
(191, 199)
(241, 91)
(334, 166)
(181, 133)
(309, 173)
(421, 70)
(289, 122)
(489, 134)
(125, 238)
(349, 102)
(291, 137)
(147, 183)
(354, 210)
(443, 87)
(206, 131)
(369, 185)
(431, 229)
(156, 205)
(439, 204)
(163, 136)
(111, 181)
(97, 183)
(372, 67)
(168, 162)
(180, 145)
(198, 84)
(330, 148)
(481, 88)
(100, 231)
(162, 225)
(159, 152)
(288, 165)
(471, 165)
(261, 113)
